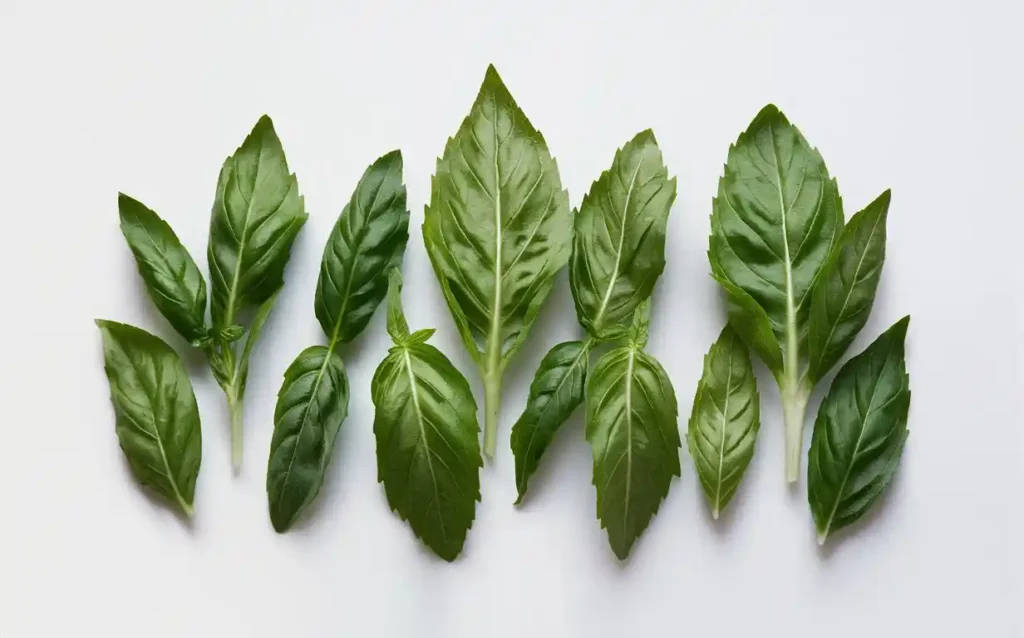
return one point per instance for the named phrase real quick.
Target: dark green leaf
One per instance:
(633, 430)
(367, 242)
(258, 320)
(311, 406)
(172, 278)
(497, 229)
(725, 420)
(618, 249)
(428, 453)
(398, 328)
(257, 213)
(859, 434)
(842, 297)
(157, 420)
(556, 392)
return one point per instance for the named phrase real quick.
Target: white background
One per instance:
(102, 96)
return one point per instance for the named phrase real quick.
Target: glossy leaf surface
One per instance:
(556, 392)
(725, 420)
(619, 242)
(156, 417)
(172, 278)
(859, 433)
(633, 431)
(311, 405)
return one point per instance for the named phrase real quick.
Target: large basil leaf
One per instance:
(725, 420)
(257, 213)
(774, 223)
(310, 408)
(172, 278)
(367, 241)
(497, 229)
(859, 434)
(556, 392)
(842, 298)
(632, 428)
(618, 248)
(156, 416)
(428, 452)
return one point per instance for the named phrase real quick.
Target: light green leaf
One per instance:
(428, 453)
(172, 278)
(842, 297)
(640, 330)
(859, 434)
(619, 243)
(157, 420)
(257, 213)
(556, 392)
(633, 431)
(497, 229)
(311, 406)
(398, 328)
(367, 242)
(725, 420)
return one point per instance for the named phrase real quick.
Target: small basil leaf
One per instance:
(231, 333)
(859, 434)
(258, 320)
(842, 297)
(367, 241)
(633, 431)
(618, 249)
(172, 278)
(725, 420)
(257, 214)
(156, 416)
(639, 331)
(497, 229)
(556, 392)
(398, 327)
(775, 220)
(311, 406)
(428, 451)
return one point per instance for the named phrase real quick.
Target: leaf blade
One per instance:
(725, 420)
(557, 390)
(156, 416)
(859, 433)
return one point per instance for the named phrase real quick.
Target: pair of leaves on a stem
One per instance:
(617, 256)
(256, 216)
(799, 286)
(367, 242)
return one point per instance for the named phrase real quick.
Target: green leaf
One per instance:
(556, 392)
(618, 249)
(156, 416)
(428, 453)
(497, 229)
(258, 320)
(172, 278)
(257, 214)
(367, 242)
(775, 220)
(398, 328)
(842, 297)
(311, 406)
(750, 322)
(725, 419)
(859, 434)
(632, 428)
(640, 330)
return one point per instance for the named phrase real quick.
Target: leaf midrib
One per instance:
(494, 339)
(792, 347)
(414, 395)
(629, 441)
(721, 446)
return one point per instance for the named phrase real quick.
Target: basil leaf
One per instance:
(618, 249)
(311, 406)
(156, 416)
(497, 229)
(367, 241)
(725, 420)
(632, 428)
(172, 278)
(859, 434)
(774, 223)
(842, 298)
(257, 214)
(556, 392)
(428, 452)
